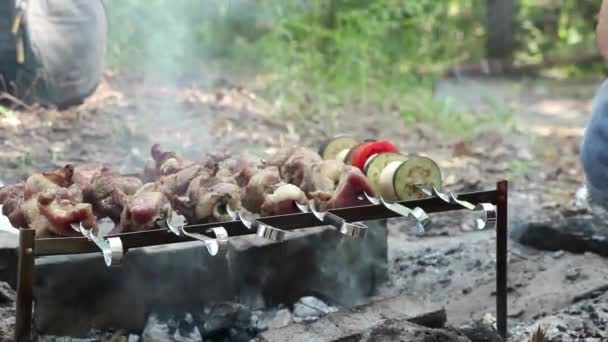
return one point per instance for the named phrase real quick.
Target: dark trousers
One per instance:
(594, 149)
(8, 54)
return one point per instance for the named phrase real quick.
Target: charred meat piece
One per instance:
(12, 191)
(11, 198)
(85, 173)
(281, 156)
(330, 183)
(60, 209)
(267, 194)
(48, 203)
(176, 184)
(351, 187)
(153, 169)
(326, 175)
(282, 201)
(242, 169)
(262, 183)
(39, 182)
(143, 210)
(209, 204)
(296, 169)
(108, 192)
(175, 173)
(207, 198)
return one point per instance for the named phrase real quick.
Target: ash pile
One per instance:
(220, 322)
(309, 319)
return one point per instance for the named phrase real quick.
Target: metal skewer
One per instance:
(352, 229)
(111, 248)
(487, 221)
(423, 221)
(262, 229)
(215, 246)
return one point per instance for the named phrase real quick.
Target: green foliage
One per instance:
(520, 169)
(5, 112)
(320, 56)
(549, 29)
(370, 53)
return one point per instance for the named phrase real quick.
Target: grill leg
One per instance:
(25, 283)
(501, 258)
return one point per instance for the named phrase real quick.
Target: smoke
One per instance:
(150, 37)
(153, 45)
(172, 46)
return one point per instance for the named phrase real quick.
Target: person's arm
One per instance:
(602, 30)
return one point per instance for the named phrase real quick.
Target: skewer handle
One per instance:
(25, 285)
(356, 229)
(333, 220)
(267, 232)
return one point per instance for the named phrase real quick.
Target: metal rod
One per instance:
(25, 285)
(79, 245)
(501, 258)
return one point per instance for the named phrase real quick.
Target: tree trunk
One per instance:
(500, 24)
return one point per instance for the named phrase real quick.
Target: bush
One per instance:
(328, 54)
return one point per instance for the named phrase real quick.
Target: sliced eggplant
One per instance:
(414, 172)
(349, 155)
(333, 147)
(386, 188)
(374, 167)
(342, 155)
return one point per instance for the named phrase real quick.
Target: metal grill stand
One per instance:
(30, 248)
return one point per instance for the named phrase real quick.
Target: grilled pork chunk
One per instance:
(348, 193)
(108, 193)
(267, 194)
(207, 197)
(143, 210)
(48, 203)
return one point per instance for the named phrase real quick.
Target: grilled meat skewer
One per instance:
(49, 203)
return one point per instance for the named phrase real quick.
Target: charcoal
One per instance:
(221, 317)
(317, 304)
(480, 332)
(187, 330)
(159, 330)
(310, 308)
(156, 330)
(7, 294)
(134, 338)
(272, 320)
(575, 234)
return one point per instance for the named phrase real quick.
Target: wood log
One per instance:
(495, 68)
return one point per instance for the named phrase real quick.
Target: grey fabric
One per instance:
(65, 48)
(594, 149)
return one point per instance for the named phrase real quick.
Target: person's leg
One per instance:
(594, 150)
(8, 54)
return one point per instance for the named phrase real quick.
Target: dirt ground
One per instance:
(453, 266)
